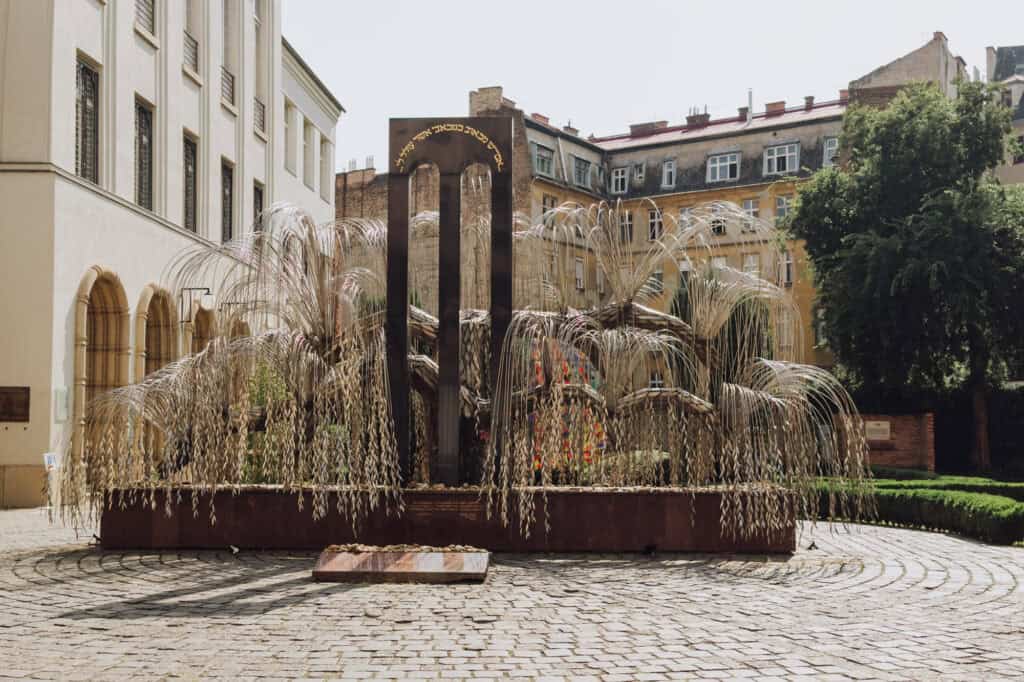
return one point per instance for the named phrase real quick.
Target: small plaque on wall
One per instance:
(877, 430)
(14, 403)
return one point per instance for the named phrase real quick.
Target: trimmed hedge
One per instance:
(966, 484)
(992, 518)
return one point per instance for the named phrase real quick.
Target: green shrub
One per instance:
(992, 518)
(966, 484)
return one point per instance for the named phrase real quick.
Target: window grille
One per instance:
(227, 85)
(143, 156)
(191, 53)
(259, 114)
(191, 177)
(227, 201)
(87, 123)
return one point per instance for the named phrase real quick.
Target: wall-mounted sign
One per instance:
(14, 403)
(877, 430)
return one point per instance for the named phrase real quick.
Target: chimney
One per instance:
(990, 63)
(808, 102)
(541, 118)
(844, 95)
(696, 119)
(485, 99)
(775, 108)
(567, 128)
(742, 111)
(939, 35)
(369, 163)
(352, 165)
(644, 129)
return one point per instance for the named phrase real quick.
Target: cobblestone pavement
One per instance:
(867, 602)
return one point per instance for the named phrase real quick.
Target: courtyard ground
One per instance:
(862, 602)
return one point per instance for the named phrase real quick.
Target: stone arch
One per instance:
(204, 328)
(156, 331)
(102, 343)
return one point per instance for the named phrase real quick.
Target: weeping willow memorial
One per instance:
(437, 379)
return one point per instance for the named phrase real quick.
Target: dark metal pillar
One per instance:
(397, 329)
(448, 300)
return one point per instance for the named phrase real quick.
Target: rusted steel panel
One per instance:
(581, 520)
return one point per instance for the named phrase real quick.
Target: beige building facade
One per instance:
(1005, 66)
(128, 132)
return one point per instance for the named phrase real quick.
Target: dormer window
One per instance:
(831, 152)
(543, 160)
(668, 174)
(781, 160)
(581, 172)
(724, 167)
(620, 180)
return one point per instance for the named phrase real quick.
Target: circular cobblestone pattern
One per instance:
(857, 602)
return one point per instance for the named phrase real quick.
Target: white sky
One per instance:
(606, 64)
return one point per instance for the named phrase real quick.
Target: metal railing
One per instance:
(191, 53)
(227, 85)
(259, 114)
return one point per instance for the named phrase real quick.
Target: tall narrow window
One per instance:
(668, 174)
(831, 151)
(308, 145)
(580, 281)
(782, 208)
(227, 69)
(717, 220)
(290, 148)
(654, 224)
(143, 155)
(752, 264)
(326, 169)
(548, 202)
(87, 123)
(581, 172)
(626, 227)
(191, 38)
(752, 209)
(145, 15)
(620, 177)
(227, 201)
(190, 182)
(638, 173)
(787, 269)
(257, 206)
(260, 96)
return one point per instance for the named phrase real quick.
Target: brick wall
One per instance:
(911, 443)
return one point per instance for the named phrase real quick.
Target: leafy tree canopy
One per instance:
(918, 252)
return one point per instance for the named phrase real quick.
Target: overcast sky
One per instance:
(604, 65)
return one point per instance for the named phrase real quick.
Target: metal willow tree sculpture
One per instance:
(301, 400)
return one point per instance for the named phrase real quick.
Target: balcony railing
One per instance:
(227, 86)
(191, 53)
(259, 114)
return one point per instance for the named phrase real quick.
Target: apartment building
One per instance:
(1005, 66)
(129, 130)
(659, 171)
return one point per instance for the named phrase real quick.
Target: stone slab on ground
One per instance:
(415, 565)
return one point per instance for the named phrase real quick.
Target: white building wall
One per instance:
(64, 225)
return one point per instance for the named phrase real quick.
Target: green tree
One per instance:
(918, 252)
